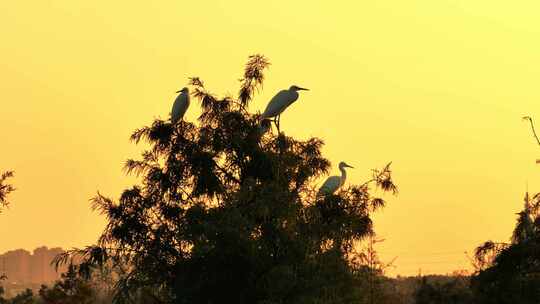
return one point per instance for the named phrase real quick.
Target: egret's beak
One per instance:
(178, 91)
(302, 89)
(349, 166)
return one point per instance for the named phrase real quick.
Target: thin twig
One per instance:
(532, 127)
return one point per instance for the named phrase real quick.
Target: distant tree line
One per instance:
(70, 289)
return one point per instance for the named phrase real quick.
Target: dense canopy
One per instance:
(227, 214)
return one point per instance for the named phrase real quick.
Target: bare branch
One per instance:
(532, 127)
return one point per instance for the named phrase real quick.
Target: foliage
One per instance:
(5, 188)
(70, 289)
(2, 299)
(225, 214)
(373, 287)
(510, 272)
(455, 291)
(26, 297)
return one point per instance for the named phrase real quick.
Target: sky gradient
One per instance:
(437, 87)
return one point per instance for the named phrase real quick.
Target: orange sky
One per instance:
(437, 87)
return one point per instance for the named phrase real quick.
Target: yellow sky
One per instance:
(437, 87)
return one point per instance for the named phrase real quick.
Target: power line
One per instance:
(434, 262)
(421, 254)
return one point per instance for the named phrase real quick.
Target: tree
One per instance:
(70, 289)
(454, 291)
(2, 299)
(5, 189)
(371, 284)
(510, 272)
(26, 297)
(226, 214)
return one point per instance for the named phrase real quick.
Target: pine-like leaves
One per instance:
(5, 188)
(225, 212)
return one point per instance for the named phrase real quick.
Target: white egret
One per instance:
(280, 102)
(333, 183)
(180, 106)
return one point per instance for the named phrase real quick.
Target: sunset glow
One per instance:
(437, 87)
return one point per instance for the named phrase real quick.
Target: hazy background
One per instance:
(437, 87)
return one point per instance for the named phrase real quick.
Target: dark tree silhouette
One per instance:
(5, 189)
(510, 272)
(25, 297)
(70, 289)
(455, 291)
(225, 214)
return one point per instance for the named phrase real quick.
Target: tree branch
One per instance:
(532, 127)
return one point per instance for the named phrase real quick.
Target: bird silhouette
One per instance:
(280, 102)
(180, 105)
(333, 183)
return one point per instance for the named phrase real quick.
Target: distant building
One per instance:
(24, 268)
(16, 265)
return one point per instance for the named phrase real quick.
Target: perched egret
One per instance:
(180, 106)
(280, 102)
(333, 183)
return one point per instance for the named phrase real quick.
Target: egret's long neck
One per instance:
(294, 96)
(343, 175)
